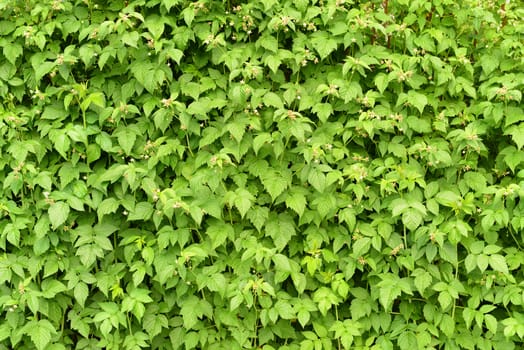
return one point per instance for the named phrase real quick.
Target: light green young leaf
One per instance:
(126, 140)
(297, 202)
(41, 332)
(412, 218)
(418, 100)
(273, 100)
(498, 263)
(280, 228)
(243, 201)
(142, 211)
(58, 213)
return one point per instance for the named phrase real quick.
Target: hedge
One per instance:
(295, 174)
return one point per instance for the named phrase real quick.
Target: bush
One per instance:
(266, 174)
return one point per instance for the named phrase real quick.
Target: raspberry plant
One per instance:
(306, 174)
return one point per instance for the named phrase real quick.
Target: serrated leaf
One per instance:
(423, 281)
(155, 25)
(43, 69)
(388, 293)
(219, 233)
(126, 140)
(475, 181)
(444, 299)
(280, 229)
(243, 201)
(517, 135)
(381, 82)
(273, 100)
(130, 38)
(40, 332)
(491, 323)
(412, 218)
(323, 45)
(489, 63)
(142, 211)
(303, 317)
(260, 140)
(107, 206)
(417, 100)
(317, 179)
(498, 263)
(58, 213)
(275, 183)
(12, 51)
(297, 202)
(448, 198)
(153, 324)
(258, 216)
(323, 110)
(81, 292)
(268, 42)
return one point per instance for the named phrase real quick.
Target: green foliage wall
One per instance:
(293, 174)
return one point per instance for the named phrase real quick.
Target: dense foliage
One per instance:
(293, 174)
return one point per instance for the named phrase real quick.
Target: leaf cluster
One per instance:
(261, 174)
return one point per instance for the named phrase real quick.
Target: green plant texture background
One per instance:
(295, 174)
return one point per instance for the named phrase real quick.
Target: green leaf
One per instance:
(389, 291)
(268, 42)
(275, 183)
(258, 216)
(448, 198)
(219, 232)
(12, 51)
(81, 292)
(323, 44)
(154, 323)
(130, 38)
(491, 323)
(445, 299)
(5, 331)
(58, 213)
(297, 202)
(113, 174)
(381, 82)
(107, 206)
(273, 100)
(126, 140)
(284, 309)
(43, 69)
(417, 100)
(517, 134)
(243, 201)
(317, 179)
(498, 263)
(155, 25)
(323, 110)
(422, 281)
(412, 219)
(489, 63)
(142, 211)
(41, 332)
(303, 317)
(475, 181)
(447, 325)
(260, 140)
(280, 228)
